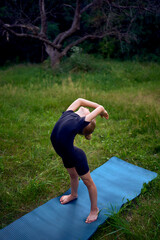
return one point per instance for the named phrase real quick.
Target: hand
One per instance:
(104, 114)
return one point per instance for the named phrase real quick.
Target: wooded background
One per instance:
(123, 29)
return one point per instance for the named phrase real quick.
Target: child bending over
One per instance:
(71, 123)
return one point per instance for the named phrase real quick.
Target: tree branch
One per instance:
(76, 22)
(43, 18)
(68, 5)
(75, 25)
(7, 27)
(89, 36)
(86, 7)
(150, 8)
(31, 28)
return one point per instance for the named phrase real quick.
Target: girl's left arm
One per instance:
(82, 102)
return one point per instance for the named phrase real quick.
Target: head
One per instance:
(88, 130)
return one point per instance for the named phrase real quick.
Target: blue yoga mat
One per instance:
(117, 182)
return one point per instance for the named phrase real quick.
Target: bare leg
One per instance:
(93, 197)
(74, 187)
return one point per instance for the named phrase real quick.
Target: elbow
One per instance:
(101, 108)
(80, 101)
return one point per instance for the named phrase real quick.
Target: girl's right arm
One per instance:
(98, 111)
(86, 103)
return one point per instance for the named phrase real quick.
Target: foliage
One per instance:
(109, 47)
(142, 44)
(53, 30)
(78, 62)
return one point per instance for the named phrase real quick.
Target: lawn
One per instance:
(32, 99)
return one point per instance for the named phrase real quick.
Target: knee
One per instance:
(89, 183)
(72, 173)
(73, 176)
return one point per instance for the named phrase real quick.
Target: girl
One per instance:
(74, 159)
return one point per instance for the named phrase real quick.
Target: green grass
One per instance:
(32, 99)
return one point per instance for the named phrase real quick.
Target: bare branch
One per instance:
(43, 17)
(86, 7)
(89, 36)
(38, 37)
(76, 19)
(68, 5)
(74, 44)
(39, 17)
(75, 25)
(31, 28)
(83, 9)
(150, 8)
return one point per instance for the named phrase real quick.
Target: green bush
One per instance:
(80, 62)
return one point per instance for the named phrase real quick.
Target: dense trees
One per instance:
(54, 27)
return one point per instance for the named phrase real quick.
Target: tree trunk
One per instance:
(54, 54)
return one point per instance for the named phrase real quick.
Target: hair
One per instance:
(88, 130)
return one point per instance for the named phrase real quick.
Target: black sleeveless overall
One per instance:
(62, 139)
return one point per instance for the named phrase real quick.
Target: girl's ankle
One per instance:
(95, 209)
(74, 195)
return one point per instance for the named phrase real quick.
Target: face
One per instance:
(84, 110)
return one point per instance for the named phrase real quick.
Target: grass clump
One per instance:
(31, 100)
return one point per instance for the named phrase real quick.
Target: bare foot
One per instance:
(92, 216)
(67, 198)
